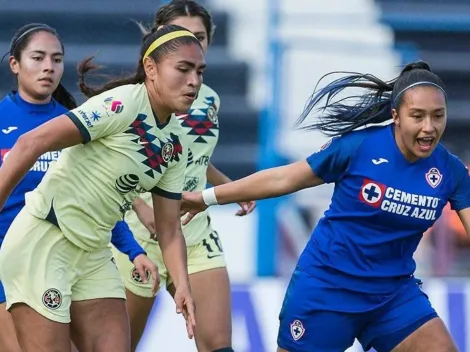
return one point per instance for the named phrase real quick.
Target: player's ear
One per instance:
(14, 65)
(395, 117)
(150, 68)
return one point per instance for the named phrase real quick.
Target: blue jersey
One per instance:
(18, 117)
(381, 206)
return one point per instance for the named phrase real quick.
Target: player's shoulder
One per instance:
(60, 109)
(450, 160)
(356, 138)
(126, 93)
(207, 95)
(207, 91)
(6, 103)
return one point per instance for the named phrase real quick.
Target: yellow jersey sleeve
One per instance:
(106, 114)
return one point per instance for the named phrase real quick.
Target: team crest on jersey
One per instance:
(52, 299)
(167, 151)
(158, 153)
(136, 276)
(372, 193)
(434, 177)
(212, 114)
(127, 183)
(297, 329)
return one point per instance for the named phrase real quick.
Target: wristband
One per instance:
(208, 196)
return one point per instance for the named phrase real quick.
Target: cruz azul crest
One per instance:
(434, 177)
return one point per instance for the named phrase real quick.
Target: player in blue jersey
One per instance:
(355, 277)
(36, 58)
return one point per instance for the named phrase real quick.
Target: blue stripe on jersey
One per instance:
(380, 208)
(84, 132)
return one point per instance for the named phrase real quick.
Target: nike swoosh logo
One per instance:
(379, 161)
(213, 256)
(9, 129)
(141, 142)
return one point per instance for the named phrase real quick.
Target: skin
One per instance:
(210, 288)
(41, 58)
(40, 68)
(421, 114)
(107, 328)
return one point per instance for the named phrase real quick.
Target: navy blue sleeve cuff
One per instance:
(165, 194)
(84, 132)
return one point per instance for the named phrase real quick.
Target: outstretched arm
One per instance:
(268, 183)
(56, 134)
(216, 178)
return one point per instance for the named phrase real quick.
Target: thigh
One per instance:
(99, 316)
(37, 333)
(131, 278)
(211, 293)
(8, 338)
(432, 336)
(303, 329)
(208, 254)
(403, 317)
(138, 309)
(100, 325)
(35, 263)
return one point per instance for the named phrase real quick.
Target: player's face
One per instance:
(195, 25)
(179, 77)
(420, 121)
(40, 67)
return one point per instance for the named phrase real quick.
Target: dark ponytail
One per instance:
(372, 107)
(87, 65)
(63, 97)
(139, 76)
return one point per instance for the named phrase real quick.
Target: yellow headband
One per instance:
(165, 38)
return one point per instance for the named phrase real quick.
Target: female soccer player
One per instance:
(355, 276)
(209, 279)
(36, 58)
(55, 262)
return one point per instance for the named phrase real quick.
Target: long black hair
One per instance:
(374, 106)
(185, 8)
(139, 75)
(21, 40)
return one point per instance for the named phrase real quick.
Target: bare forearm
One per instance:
(175, 257)
(261, 185)
(137, 203)
(20, 159)
(215, 177)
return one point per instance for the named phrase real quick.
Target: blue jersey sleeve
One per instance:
(123, 239)
(331, 161)
(460, 199)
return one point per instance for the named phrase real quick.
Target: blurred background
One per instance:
(265, 60)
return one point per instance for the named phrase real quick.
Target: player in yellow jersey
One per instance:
(206, 264)
(55, 264)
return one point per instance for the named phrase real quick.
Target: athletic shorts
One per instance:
(40, 267)
(207, 254)
(304, 328)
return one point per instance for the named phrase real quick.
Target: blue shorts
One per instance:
(305, 328)
(3, 299)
